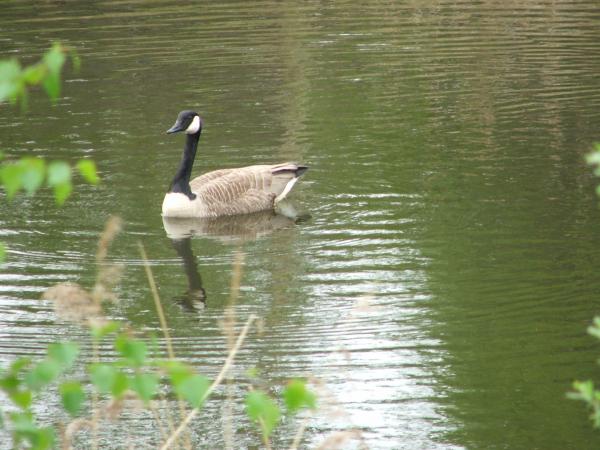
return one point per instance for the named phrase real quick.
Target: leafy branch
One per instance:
(30, 173)
(15, 79)
(585, 390)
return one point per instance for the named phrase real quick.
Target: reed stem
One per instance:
(226, 366)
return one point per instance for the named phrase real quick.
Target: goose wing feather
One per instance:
(242, 190)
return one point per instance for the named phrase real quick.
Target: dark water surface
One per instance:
(442, 286)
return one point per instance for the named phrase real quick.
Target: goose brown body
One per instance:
(224, 192)
(227, 192)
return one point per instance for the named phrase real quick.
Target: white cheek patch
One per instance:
(194, 126)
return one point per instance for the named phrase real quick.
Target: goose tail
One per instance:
(296, 169)
(284, 177)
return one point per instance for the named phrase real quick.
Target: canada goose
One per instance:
(224, 192)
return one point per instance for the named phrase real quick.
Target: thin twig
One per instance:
(157, 303)
(94, 421)
(229, 323)
(218, 380)
(227, 418)
(298, 436)
(161, 428)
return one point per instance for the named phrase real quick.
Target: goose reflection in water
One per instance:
(194, 299)
(228, 230)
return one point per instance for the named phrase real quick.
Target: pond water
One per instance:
(445, 270)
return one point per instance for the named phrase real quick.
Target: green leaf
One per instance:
(24, 429)
(59, 177)
(87, 169)
(101, 331)
(178, 372)
(10, 69)
(34, 75)
(23, 426)
(10, 79)
(59, 172)
(44, 439)
(9, 382)
(145, 384)
(54, 60)
(22, 421)
(585, 390)
(193, 389)
(62, 192)
(261, 409)
(21, 398)
(132, 350)
(574, 396)
(42, 374)
(52, 85)
(296, 396)
(64, 353)
(120, 384)
(108, 379)
(11, 179)
(103, 376)
(2, 252)
(33, 171)
(72, 396)
(594, 330)
(19, 364)
(593, 158)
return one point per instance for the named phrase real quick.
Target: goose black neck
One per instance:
(181, 181)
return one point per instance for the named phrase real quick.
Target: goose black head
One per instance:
(188, 121)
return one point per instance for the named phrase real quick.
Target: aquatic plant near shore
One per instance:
(585, 390)
(134, 377)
